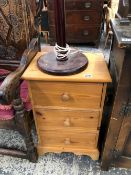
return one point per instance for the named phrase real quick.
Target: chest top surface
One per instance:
(96, 71)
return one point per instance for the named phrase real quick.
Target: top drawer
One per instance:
(73, 95)
(78, 4)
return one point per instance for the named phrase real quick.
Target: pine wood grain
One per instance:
(96, 71)
(68, 118)
(68, 109)
(53, 94)
(67, 138)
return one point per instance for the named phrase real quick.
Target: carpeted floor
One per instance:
(51, 163)
(56, 164)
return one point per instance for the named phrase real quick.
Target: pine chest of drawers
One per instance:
(68, 109)
(83, 20)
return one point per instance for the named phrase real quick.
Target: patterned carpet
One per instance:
(51, 163)
(56, 164)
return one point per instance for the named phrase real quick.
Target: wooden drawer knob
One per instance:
(65, 96)
(67, 141)
(67, 122)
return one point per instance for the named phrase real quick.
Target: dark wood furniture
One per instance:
(16, 33)
(124, 9)
(83, 21)
(117, 149)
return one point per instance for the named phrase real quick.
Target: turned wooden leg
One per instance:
(22, 123)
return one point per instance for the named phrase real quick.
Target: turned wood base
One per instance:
(75, 63)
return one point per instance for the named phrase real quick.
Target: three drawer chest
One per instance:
(83, 21)
(68, 109)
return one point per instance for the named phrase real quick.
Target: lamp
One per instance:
(63, 60)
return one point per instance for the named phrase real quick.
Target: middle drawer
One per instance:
(65, 118)
(79, 17)
(73, 95)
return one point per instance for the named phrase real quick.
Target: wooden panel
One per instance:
(119, 128)
(127, 148)
(79, 18)
(79, 32)
(96, 71)
(67, 138)
(123, 162)
(86, 95)
(79, 4)
(93, 153)
(82, 32)
(124, 142)
(59, 118)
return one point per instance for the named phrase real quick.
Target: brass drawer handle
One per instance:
(65, 96)
(86, 18)
(67, 122)
(85, 33)
(87, 5)
(67, 141)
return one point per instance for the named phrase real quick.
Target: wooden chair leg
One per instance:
(31, 149)
(22, 123)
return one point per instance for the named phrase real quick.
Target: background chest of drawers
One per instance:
(83, 20)
(68, 110)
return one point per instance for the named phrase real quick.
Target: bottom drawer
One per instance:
(63, 138)
(76, 33)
